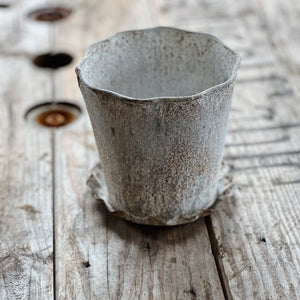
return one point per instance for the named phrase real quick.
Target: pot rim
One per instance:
(124, 97)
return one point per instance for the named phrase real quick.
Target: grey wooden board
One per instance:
(255, 229)
(26, 217)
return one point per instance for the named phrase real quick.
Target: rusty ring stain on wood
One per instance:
(50, 14)
(56, 114)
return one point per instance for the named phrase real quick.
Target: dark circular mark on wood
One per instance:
(263, 240)
(55, 118)
(4, 5)
(86, 264)
(52, 60)
(50, 14)
(53, 114)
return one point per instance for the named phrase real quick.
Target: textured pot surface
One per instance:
(159, 101)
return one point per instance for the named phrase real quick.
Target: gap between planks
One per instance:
(218, 261)
(53, 207)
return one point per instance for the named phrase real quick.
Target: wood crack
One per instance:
(218, 261)
(53, 211)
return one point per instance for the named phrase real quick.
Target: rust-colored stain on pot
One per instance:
(50, 14)
(55, 118)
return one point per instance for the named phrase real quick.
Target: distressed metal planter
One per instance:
(159, 101)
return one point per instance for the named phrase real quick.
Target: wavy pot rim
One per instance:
(136, 100)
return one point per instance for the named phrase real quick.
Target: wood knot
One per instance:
(30, 209)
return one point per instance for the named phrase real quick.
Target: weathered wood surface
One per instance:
(256, 228)
(26, 236)
(254, 232)
(26, 218)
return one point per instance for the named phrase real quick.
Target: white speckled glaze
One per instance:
(159, 101)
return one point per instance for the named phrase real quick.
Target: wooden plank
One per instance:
(281, 19)
(26, 227)
(26, 243)
(26, 235)
(97, 254)
(255, 230)
(163, 263)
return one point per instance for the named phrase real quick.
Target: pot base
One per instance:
(97, 184)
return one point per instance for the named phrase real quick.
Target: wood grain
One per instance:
(26, 235)
(26, 217)
(255, 229)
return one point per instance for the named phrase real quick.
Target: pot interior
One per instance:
(159, 62)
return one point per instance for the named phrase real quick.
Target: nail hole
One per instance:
(112, 131)
(53, 114)
(52, 60)
(147, 247)
(263, 240)
(4, 5)
(192, 292)
(50, 14)
(86, 264)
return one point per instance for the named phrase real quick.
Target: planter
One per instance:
(159, 101)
